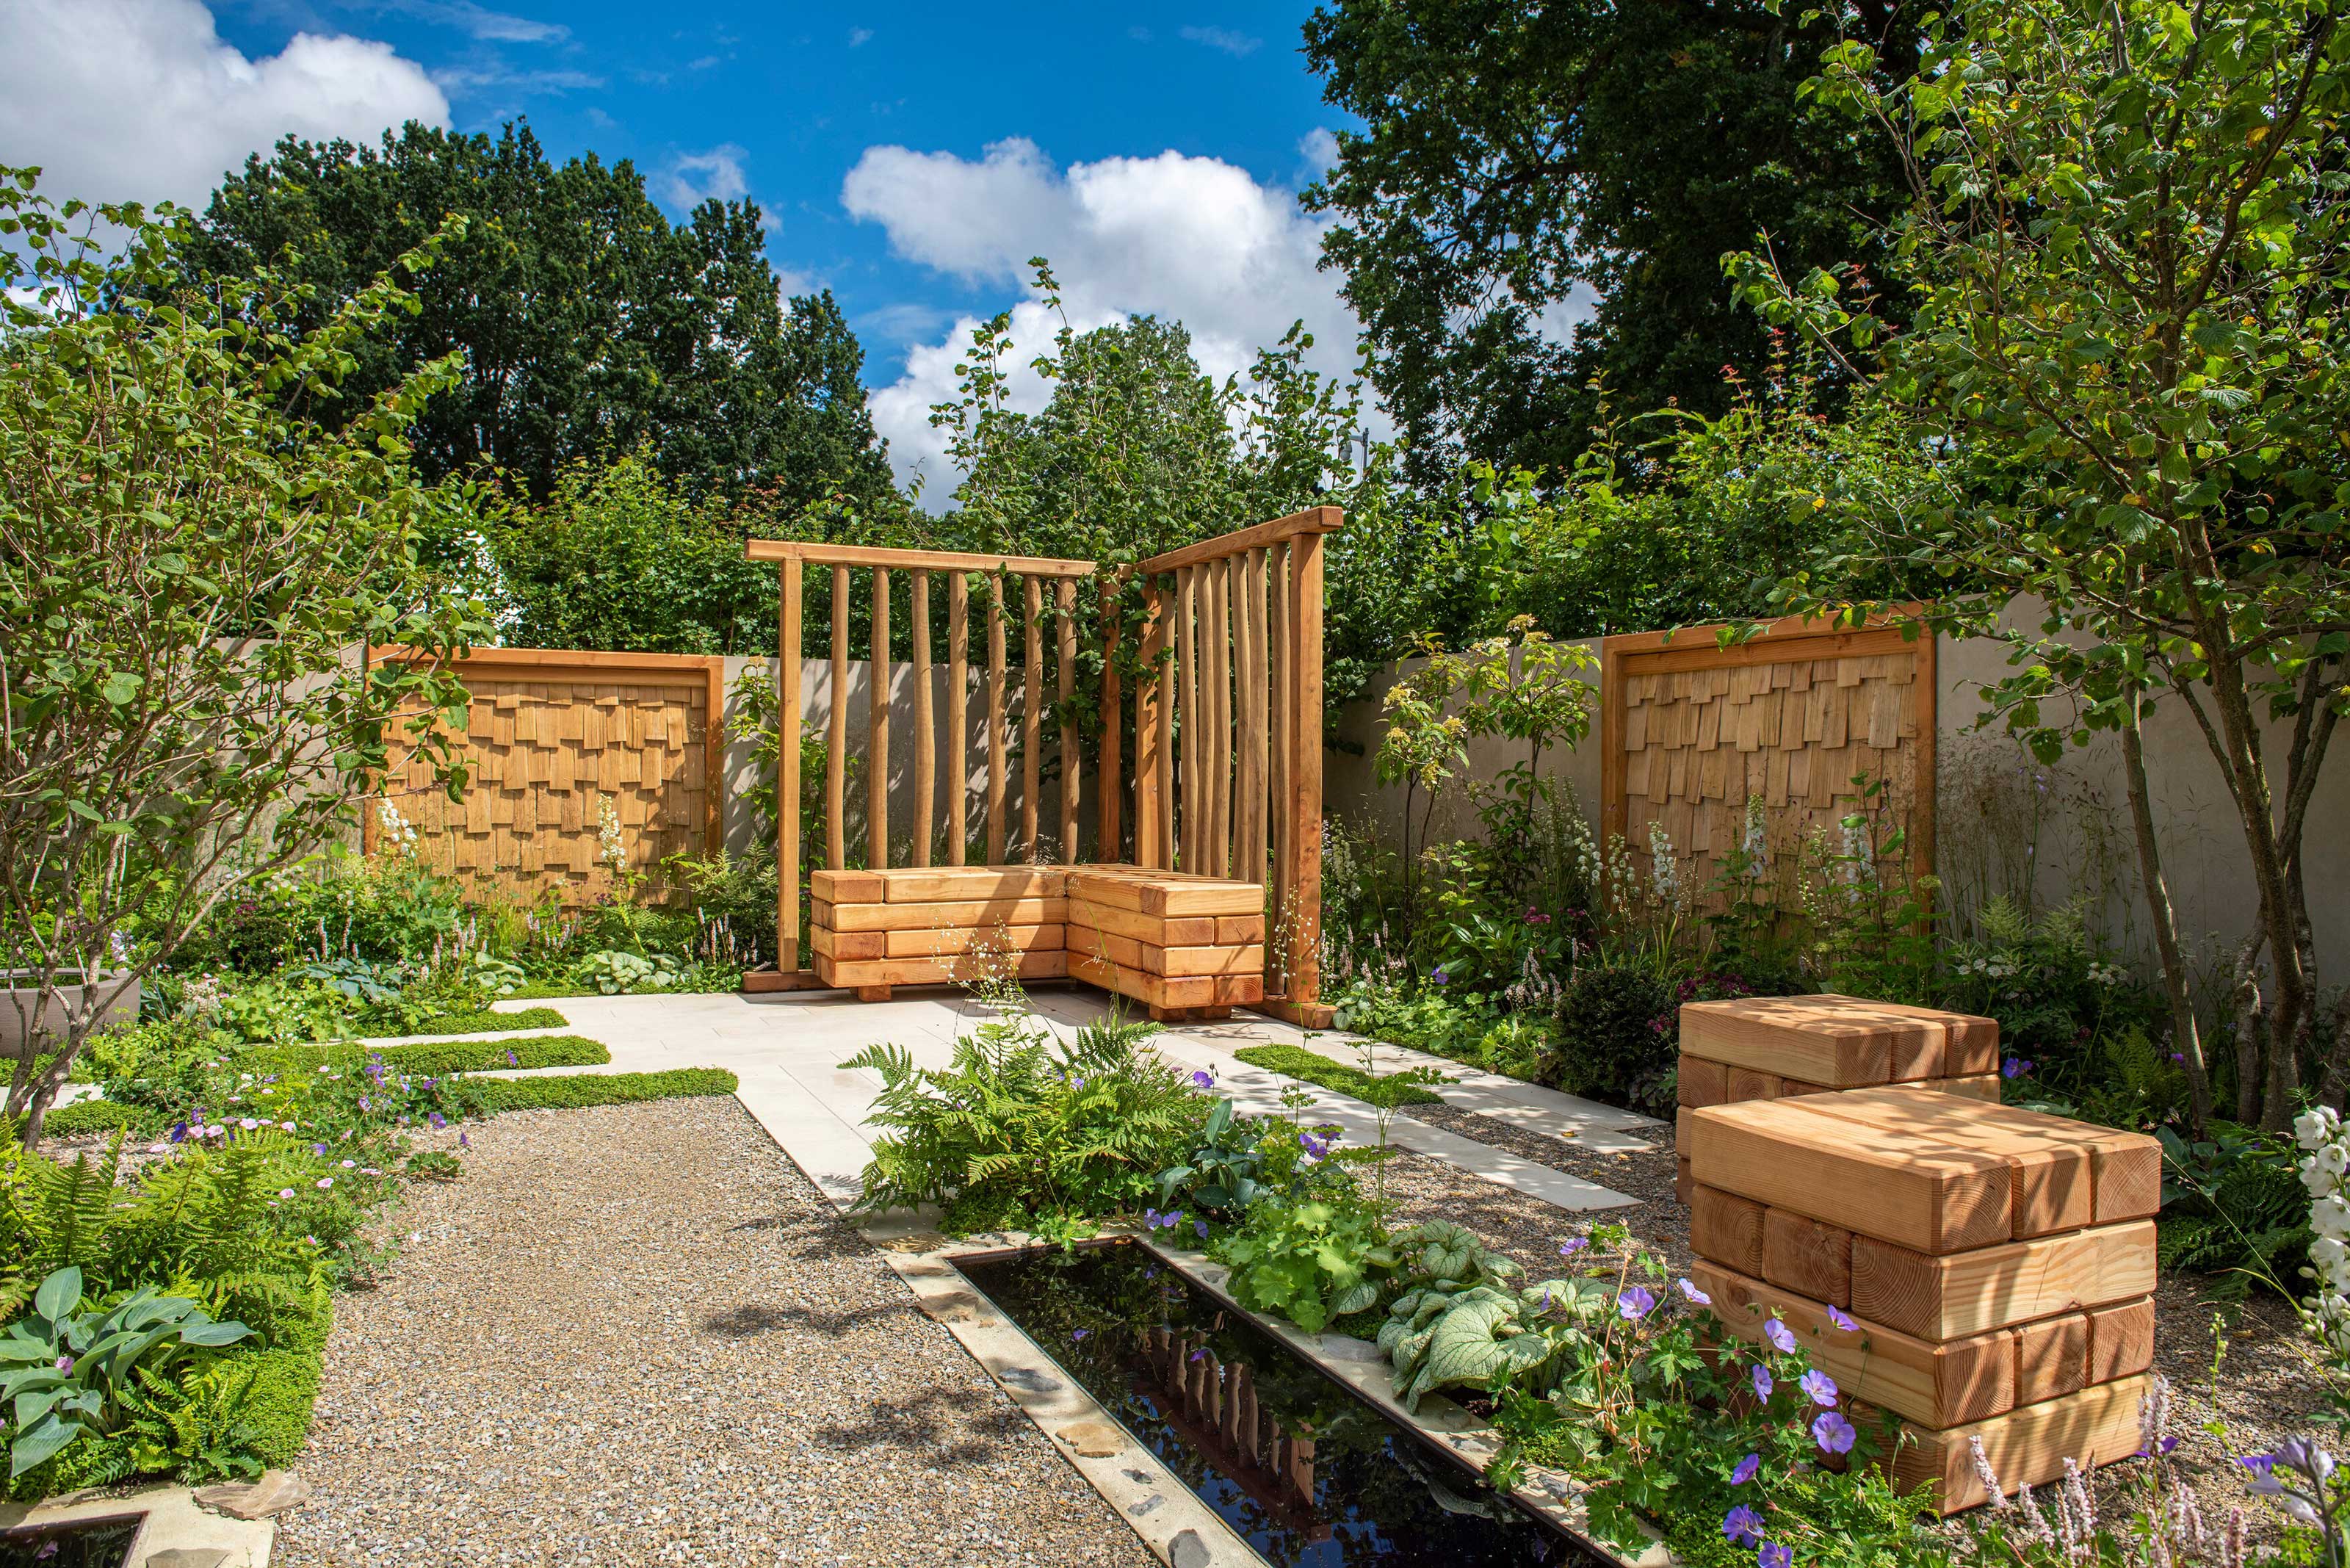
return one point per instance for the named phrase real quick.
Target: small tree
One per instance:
(2127, 255)
(192, 573)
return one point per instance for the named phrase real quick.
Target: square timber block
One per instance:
(1935, 1384)
(1924, 1169)
(1839, 1042)
(2028, 1445)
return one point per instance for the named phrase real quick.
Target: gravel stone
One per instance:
(636, 1333)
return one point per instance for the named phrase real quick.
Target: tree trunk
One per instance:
(2186, 1036)
(2244, 996)
(2256, 809)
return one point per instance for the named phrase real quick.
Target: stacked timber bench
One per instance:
(1180, 944)
(1998, 1266)
(1780, 1047)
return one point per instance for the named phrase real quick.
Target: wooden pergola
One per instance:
(1226, 780)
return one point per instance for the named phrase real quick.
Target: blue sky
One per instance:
(911, 158)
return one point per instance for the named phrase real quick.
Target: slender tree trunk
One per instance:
(2244, 996)
(2256, 808)
(2186, 1036)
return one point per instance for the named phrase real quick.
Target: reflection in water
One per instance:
(1215, 1407)
(1301, 1469)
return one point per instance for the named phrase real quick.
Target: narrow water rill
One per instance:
(1302, 1468)
(85, 1543)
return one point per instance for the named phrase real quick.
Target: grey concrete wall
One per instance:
(2005, 821)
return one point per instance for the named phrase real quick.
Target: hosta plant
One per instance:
(1221, 1175)
(69, 1370)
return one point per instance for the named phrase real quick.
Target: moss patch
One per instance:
(573, 1090)
(1297, 1062)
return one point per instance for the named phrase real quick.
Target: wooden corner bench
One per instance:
(1182, 945)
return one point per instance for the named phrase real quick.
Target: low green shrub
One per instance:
(1616, 1038)
(573, 1090)
(1379, 1089)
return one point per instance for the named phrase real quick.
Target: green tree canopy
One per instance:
(1517, 156)
(2127, 258)
(586, 324)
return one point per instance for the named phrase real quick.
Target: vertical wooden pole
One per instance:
(1187, 698)
(1149, 756)
(1032, 708)
(1163, 776)
(876, 757)
(1109, 829)
(995, 719)
(1282, 722)
(1219, 706)
(1065, 603)
(1257, 722)
(926, 730)
(787, 772)
(958, 716)
(836, 729)
(1305, 769)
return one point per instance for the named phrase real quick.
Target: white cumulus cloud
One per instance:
(693, 178)
(141, 99)
(1194, 239)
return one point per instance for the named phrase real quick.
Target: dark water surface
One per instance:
(1302, 1468)
(90, 1543)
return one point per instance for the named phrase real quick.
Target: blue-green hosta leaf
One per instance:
(58, 1294)
(211, 1334)
(39, 1442)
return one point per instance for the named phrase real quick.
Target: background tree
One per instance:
(586, 324)
(2127, 255)
(1520, 159)
(190, 575)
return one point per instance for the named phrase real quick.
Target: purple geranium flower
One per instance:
(1781, 1336)
(1820, 1386)
(1634, 1304)
(1437, 977)
(1774, 1555)
(1842, 1320)
(1763, 1383)
(2016, 1067)
(1747, 1470)
(1834, 1433)
(1741, 1526)
(1572, 1245)
(1696, 1296)
(1079, 1332)
(1205, 1080)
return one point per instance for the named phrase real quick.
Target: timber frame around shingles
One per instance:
(1227, 776)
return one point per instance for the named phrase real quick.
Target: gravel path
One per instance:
(637, 1334)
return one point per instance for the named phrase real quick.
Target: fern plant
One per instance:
(1020, 1127)
(2235, 1208)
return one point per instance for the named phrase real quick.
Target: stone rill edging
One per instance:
(1171, 1521)
(175, 1531)
(1177, 1527)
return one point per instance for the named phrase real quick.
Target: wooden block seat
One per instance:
(1171, 941)
(1784, 1047)
(1996, 1266)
